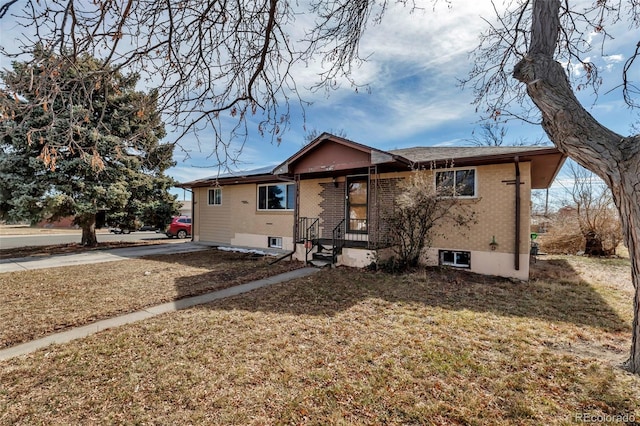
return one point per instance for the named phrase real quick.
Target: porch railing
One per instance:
(338, 240)
(310, 235)
(308, 229)
(342, 237)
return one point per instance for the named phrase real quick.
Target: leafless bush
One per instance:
(418, 207)
(568, 235)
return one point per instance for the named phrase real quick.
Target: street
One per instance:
(14, 241)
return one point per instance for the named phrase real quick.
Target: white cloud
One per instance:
(186, 173)
(613, 59)
(413, 62)
(451, 142)
(425, 42)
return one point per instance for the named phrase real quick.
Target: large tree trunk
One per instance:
(88, 224)
(574, 131)
(627, 199)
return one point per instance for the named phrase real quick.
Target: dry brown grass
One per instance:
(39, 302)
(351, 347)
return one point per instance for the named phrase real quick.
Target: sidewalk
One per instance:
(89, 329)
(96, 256)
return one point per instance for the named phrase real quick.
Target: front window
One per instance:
(215, 197)
(276, 196)
(456, 183)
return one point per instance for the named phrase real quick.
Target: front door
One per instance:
(357, 204)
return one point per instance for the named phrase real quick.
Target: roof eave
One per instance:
(231, 180)
(485, 159)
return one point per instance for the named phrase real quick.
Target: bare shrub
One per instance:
(589, 221)
(564, 236)
(570, 233)
(418, 207)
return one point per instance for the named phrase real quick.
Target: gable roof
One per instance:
(333, 155)
(343, 154)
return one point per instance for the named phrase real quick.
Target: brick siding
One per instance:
(332, 206)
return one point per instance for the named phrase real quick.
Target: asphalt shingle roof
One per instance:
(421, 154)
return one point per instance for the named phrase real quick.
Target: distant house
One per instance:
(65, 222)
(185, 208)
(331, 194)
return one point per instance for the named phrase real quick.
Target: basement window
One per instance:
(457, 259)
(275, 242)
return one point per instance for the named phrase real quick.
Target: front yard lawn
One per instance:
(39, 302)
(353, 347)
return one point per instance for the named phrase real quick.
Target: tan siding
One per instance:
(310, 198)
(495, 216)
(495, 212)
(494, 208)
(247, 218)
(214, 222)
(237, 220)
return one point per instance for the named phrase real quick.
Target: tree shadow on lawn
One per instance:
(556, 292)
(224, 269)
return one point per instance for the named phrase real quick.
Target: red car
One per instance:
(180, 227)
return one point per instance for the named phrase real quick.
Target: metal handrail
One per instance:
(310, 234)
(306, 227)
(338, 239)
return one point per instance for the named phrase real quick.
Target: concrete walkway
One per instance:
(96, 256)
(86, 330)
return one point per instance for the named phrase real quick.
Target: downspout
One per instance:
(296, 214)
(517, 238)
(193, 214)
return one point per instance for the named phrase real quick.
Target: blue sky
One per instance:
(414, 98)
(414, 63)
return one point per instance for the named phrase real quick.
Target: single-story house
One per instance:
(327, 201)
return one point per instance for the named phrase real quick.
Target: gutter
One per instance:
(193, 216)
(193, 212)
(285, 179)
